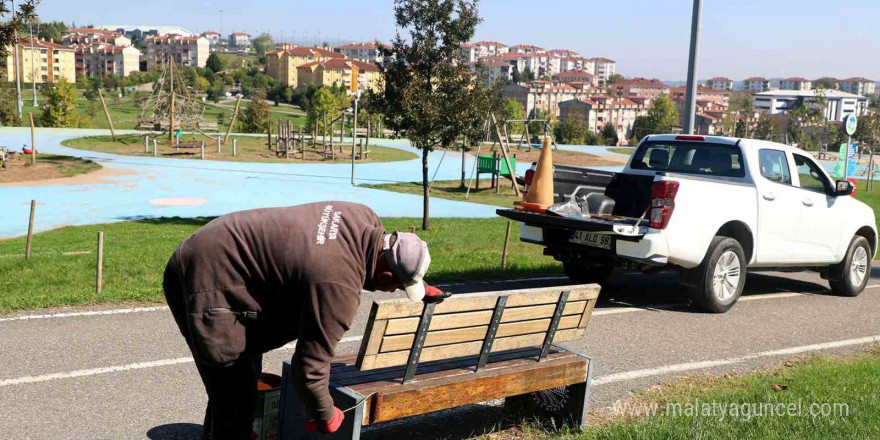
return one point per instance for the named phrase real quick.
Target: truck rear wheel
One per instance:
(722, 276)
(584, 273)
(856, 269)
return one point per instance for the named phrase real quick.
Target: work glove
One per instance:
(326, 427)
(435, 295)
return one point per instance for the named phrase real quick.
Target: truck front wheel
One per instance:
(722, 276)
(585, 273)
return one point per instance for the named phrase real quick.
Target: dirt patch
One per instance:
(49, 170)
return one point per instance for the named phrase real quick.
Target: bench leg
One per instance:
(568, 407)
(291, 421)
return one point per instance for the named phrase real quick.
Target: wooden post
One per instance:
(412, 229)
(30, 236)
(369, 128)
(218, 145)
(33, 140)
(107, 114)
(171, 113)
(270, 134)
(99, 279)
(234, 146)
(232, 123)
(155, 148)
(504, 153)
(203, 150)
(302, 143)
(342, 127)
(506, 243)
(146, 144)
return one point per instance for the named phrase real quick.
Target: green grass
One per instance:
(69, 166)
(622, 150)
(852, 380)
(451, 189)
(248, 149)
(62, 268)
(125, 112)
(871, 198)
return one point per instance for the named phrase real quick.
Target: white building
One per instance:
(106, 60)
(598, 111)
(496, 71)
(187, 51)
(525, 48)
(74, 36)
(796, 83)
(143, 30)
(214, 39)
(490, 48)
(757, 84)
(239, 39)
(838, 105)
(366, 52)
(602, 68)
(720, 83)
(858, 86)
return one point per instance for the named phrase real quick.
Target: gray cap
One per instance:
(409, 261)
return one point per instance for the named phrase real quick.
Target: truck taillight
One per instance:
(662, 202)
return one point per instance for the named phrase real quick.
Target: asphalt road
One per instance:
(111, 373)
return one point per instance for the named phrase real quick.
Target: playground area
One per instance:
(16, 167)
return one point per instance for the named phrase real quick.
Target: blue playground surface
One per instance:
(144, 187)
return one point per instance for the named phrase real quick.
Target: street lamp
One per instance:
(354, 124)
(690, 104)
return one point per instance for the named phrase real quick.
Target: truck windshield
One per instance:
(703, 158)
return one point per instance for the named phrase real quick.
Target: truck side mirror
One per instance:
(843, 188)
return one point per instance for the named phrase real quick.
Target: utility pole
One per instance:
(33, 64)
(690, 104)
(17, 62)
(171, 113)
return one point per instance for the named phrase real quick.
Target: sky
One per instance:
(647, 38)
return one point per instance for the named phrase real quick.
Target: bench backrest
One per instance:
(462, 325)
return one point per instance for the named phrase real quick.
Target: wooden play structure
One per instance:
(418, 358)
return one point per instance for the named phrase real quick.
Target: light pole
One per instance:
(17, 64)
(33, 63)
(354, 124)
(690, 103)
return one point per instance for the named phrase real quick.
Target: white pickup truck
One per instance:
(709, 207)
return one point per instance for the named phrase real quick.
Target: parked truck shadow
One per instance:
(175, 431)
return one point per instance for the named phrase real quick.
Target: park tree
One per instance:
(8, 112)
(527, 75)
(60, 108)
(215, 63)
(825, 83)
(52, 31)
(609, 133)
(512, 110)
(217, 91)
(615, 78)
(868, 130)
(255, 117)
(201, 84)
(262, 44)
(661, 118)
(764, 129)
(429, 91)
(324, 104)
(572, 130)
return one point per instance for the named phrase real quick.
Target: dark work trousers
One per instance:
(232, 389)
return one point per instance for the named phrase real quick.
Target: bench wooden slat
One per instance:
(454, 336)
(381, 360)
(486, 301)
(471, 319)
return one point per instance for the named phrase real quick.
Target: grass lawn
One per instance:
(49, 166)
(871, 198)
(125, 112)
(451, 189)
(622, 150)
(844, 388)
(249, 149)
(62, 268)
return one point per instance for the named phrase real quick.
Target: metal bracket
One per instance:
(490, 333)
(419, 342)
(554, 324)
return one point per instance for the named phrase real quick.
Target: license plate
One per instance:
(592, 239)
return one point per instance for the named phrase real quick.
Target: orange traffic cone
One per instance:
(540, 195)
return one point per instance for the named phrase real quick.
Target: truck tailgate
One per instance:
(592, 224)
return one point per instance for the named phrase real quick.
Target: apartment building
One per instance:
(106, 60)
(858, 86)
(352, 75)
(366, 52)
(186, 51)
(838, 104)
(721, 97)
(525, 48)
(597, 111)
(490, 48)
(720, 83)
(796, 83)
(214, 39)
(143, 31)
(577, 63)
(757, 84)
(543, 95)
(41, 62)
(496, 71)
(639, 87)
(74, 36)
(602, 68)
(576, 76)
(282, 64)
(239, 39)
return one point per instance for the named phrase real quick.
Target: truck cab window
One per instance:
(702, 158)
(774, 166)
(811, 176)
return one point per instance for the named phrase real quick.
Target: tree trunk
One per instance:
(425, 207)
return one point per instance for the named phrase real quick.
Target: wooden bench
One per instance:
(415, 359)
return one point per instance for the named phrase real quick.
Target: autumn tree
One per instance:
(428, 94)
(255, 117)
(60, 109)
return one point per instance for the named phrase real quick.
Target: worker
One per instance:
(251, 281)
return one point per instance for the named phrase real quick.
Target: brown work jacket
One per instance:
(256, 280)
